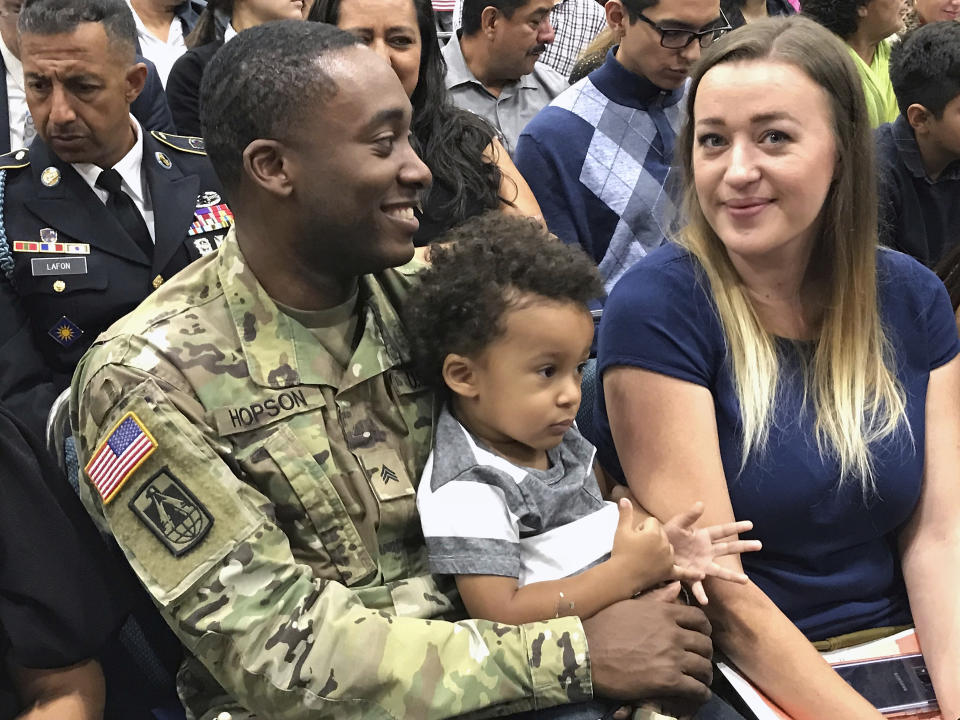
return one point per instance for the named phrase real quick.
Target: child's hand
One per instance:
(643, 551)
(694, 549)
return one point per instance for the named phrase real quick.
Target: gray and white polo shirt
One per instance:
(483, 515)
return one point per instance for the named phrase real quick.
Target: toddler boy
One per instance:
(508, 500)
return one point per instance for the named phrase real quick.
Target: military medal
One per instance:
(207, 219)
(203, 246)
(52, 247)
(208, 199)
(50, 176)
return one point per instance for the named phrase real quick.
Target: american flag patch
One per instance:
(123, 452)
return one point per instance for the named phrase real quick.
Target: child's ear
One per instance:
(459, 375)
(918, 117)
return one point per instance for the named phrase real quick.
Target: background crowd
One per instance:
(337, 477)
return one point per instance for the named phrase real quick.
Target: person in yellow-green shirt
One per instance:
(865, 26)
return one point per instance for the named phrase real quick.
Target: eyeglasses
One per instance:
(676, 39)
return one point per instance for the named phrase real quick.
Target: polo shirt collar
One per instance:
(629, 89)
(910, 153)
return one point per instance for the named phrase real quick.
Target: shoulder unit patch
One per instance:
(171, 512)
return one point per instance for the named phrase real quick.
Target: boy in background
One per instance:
(508, 499)
(918, 155)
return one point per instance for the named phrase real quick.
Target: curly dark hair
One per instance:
(449, 140)
(474, 279)
(838, 16)
(925, 67)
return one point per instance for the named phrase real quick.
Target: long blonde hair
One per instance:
(850, 378)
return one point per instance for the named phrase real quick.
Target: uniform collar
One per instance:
(130, 168)
(281, 353)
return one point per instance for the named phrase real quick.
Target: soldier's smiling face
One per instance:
(356, 179)
(79, 87)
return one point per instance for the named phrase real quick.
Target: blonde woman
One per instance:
(777, 365)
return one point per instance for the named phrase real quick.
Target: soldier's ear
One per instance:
(265, 163)
(134, 81)
(459, 374)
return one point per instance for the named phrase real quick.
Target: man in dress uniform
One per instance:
(97, 212)
(252, 434)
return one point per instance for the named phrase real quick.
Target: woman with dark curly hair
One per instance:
(865, 25)
(472, 172)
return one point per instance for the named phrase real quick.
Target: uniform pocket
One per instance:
(95, 278)
(309, 508)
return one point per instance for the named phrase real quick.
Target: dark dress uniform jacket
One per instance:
(47, 318)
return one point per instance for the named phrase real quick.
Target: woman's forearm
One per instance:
(931, 568)
(776, 657)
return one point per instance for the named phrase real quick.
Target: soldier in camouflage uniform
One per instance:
(256, 462)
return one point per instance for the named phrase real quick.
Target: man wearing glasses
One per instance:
(598, 157)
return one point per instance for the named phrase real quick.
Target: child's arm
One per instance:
(641, 557)
(696, 549)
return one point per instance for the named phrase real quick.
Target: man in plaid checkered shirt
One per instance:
(598, 157)
(576, 23)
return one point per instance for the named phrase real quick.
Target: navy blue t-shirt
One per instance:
(829, 558)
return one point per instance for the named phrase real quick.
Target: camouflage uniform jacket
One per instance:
(270, 511)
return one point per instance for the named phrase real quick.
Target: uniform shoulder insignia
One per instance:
(183, 143)
(15, 159)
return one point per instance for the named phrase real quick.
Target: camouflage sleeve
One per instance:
(284, 643)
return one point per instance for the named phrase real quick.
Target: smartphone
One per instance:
(891, 684)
